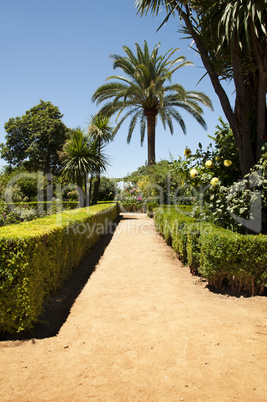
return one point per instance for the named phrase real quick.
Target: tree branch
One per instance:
(210, 69)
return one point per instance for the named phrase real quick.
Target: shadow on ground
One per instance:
(58, 307)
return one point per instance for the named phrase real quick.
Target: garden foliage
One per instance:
(219, 255)
(28, 211)
(37, 257)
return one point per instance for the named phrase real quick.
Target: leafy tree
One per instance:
(144, 94)
(107, 189)
(79, 157)
(230, 36)
(101, 133)
(34, 139)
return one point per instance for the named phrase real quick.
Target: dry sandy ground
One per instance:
(144, 329)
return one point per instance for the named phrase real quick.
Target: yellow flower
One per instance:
(209, 164)
(214, 181)
(227, 163)
(193, 173)
(187, 152)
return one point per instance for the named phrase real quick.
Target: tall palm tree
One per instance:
(144, 95)
(79, 156)
(101, 133)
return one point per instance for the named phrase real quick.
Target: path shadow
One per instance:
(226, 290)
(59, 305)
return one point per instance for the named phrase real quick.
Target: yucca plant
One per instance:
(101, 133)
(79, 157)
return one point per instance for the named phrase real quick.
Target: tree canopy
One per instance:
(34, 139)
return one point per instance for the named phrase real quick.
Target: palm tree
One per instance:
(101, 133)
(144, 93)
(79, 156)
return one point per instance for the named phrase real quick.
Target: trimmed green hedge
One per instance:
(219, 255)
(47, 205)
(37, 257)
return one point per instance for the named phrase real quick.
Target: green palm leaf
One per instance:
(142, 93)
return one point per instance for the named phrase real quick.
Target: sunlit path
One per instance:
(144, 329)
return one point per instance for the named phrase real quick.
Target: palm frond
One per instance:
(143, 91)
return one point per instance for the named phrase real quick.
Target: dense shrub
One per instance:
(218, 254)
(37, 257)
(240, 259)
(107, 189)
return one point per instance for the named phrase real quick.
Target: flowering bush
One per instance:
(209, 164)
(72, 195)
(219, 160)
(128, 194)
(193, 172)
(187, 152)
(241, 206)
(214, 181)
(227, 163)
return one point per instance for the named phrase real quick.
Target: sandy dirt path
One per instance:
(144, 329)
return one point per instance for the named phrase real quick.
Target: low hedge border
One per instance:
(217, 254)
(47, 205)
(37, 257)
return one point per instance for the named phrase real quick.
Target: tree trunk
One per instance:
(151, 135)
(224, 100)
(261, 60)
(243, 140)
(97, 183)
(242, 119)
(243, 113)
(96, 188)
(90, 188)
(87, 199)
(81, 193)
(261, 115)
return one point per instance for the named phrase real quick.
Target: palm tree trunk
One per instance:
(90, 189)
(151, 135)
(97, 183)
(80, 192)
(87, 200)
(96, 188)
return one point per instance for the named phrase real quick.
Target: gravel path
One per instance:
(144, 329)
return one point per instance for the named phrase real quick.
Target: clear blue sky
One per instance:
(58, 51)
